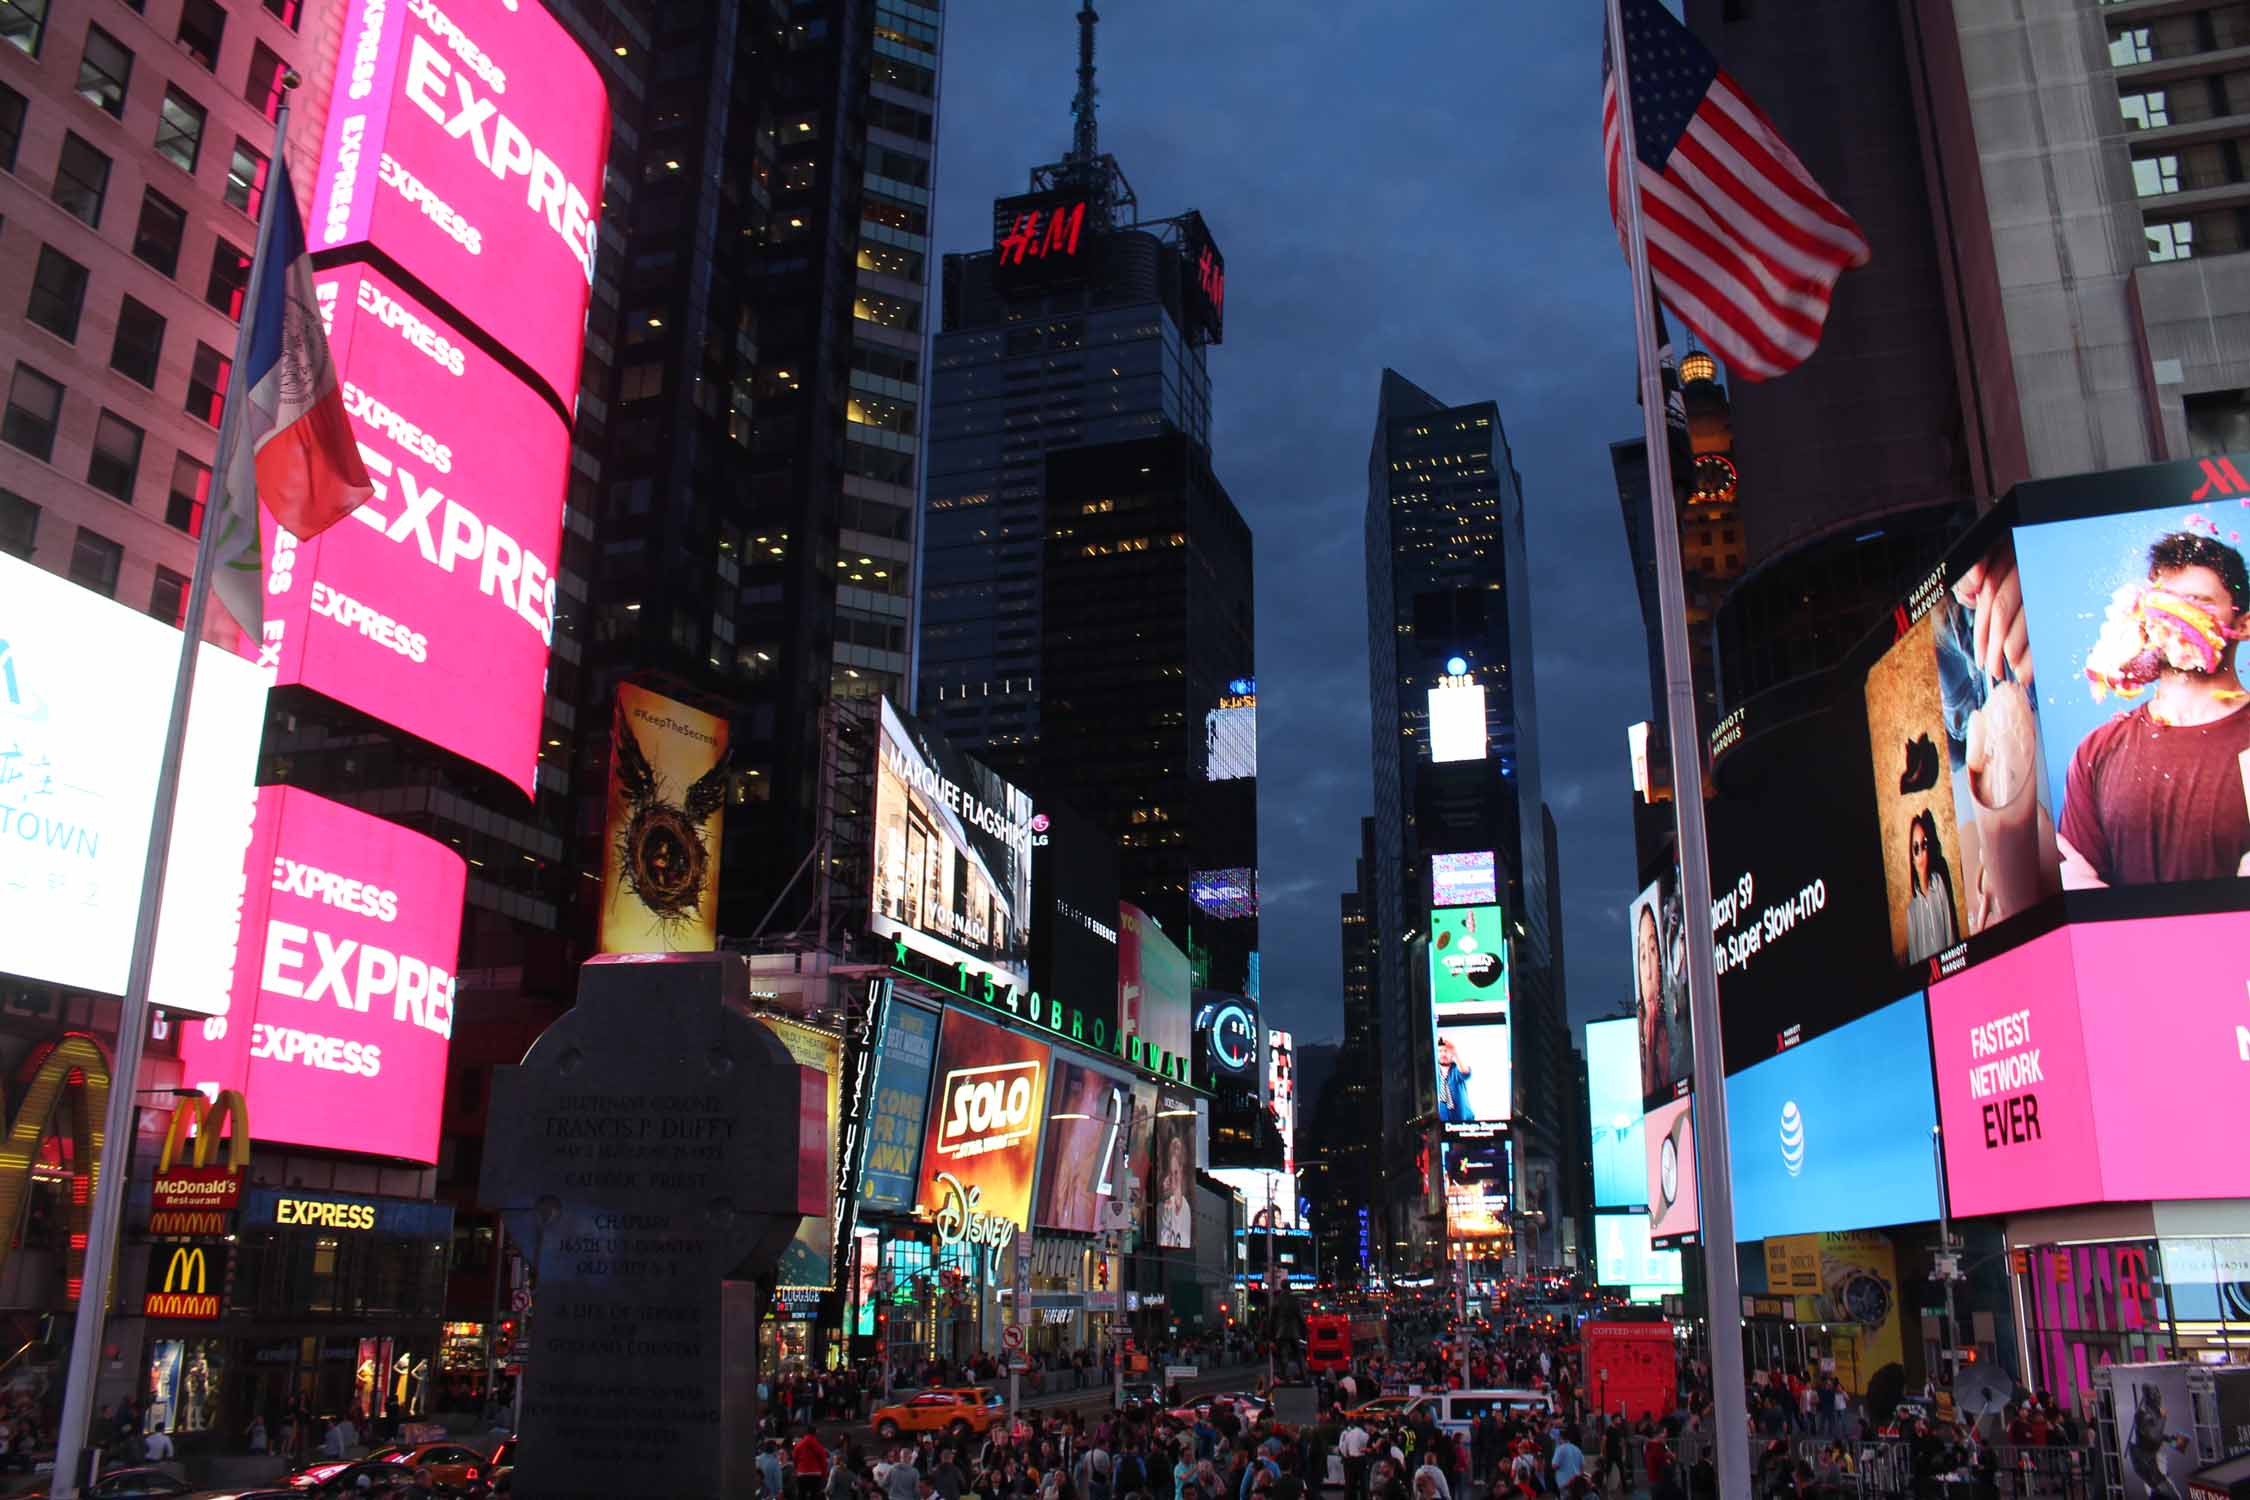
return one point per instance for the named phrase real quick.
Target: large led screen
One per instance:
(1658, 930)
(2140, 618)
(902, 1094)
(1155, 995)
(1266, 1194)
(1464, 879)
(809, 1261)
(1469, 962)
(1085, 1114)
(1613, 1088)
(1230, 733)
(1836, 1133)
(1476, 1189)
(85, 693)
(467, 144)
(987, 1105)
(1172, 1191)
(1672, 1211)
(660, 841)
(952, 865)
(1623, 1257)
(1457, 724)
(343, 986)
(1475, 1077)
(435, 611)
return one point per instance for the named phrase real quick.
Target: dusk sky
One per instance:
(1414, 184)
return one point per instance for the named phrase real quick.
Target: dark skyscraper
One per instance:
(758, 507)
(1449, 608)
(1086, 581)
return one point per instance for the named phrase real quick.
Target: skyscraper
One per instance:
(1455, 744)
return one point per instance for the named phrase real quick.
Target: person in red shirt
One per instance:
(811, 1462)
(2161, 792)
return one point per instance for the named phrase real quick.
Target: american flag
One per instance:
(1742, 243)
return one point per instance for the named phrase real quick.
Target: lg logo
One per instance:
(1792, 1138)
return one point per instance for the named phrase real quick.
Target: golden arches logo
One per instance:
(73, 1062)
(189, 1270)
(187, 1287)
(203, 1118)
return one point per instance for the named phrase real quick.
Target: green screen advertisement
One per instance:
(1469, 962)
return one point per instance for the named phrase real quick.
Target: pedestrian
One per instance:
(810, 1461)
(772, 1479)
(1569, 1460)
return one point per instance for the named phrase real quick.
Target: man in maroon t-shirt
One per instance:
(2162, 793)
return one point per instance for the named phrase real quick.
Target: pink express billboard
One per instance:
(435, 612)
(2064, 1065)
(342, 1006)
(466, 141)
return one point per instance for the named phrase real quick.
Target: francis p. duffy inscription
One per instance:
(653, 1154)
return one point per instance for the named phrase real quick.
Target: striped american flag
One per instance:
(1742, 243)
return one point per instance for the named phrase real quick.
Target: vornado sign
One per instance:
(184, 1281)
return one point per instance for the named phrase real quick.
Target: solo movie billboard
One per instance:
(952, 855)
(660, 847)
(1476, 1189)
(1171, 1194)
(982, 1143)
(1469, 962)
(1672, 1212)
(2062, 1065)
(467, 144)
(1085, 1114)
(435, 610)
(902, 1095)
(1835, 1133)
(810, 1260)
(1475, 1078)
(1613, 1086)
(85, 690)
(2140, 613)
(1660, 992)
(1155, 994)
(343, 986)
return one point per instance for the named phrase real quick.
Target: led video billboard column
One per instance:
(1613, 1085)
(988, 1106)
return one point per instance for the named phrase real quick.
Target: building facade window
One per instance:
(229, 282)
(58, 294)
(24, 23)
(2171, 241)
(156, 239)
(287, 12)
(263, 88)
(246, 177)
(190, 492)
(179, 130)
(116, 460)
(207, 384)
(203, 25)
(104, 70)
(167, 598)
(13, 106)
(94, 562)
(81, 179)
(140, 342)
(19, 525)
(34, 411)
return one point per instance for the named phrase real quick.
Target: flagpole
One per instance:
(115, 1153)
(1715, 1188)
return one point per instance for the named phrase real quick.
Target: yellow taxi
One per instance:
(949, 1409)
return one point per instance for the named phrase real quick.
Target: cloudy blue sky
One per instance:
(1413, 183)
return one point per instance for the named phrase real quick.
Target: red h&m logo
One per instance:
(2220, 478)
(1211, 276)
(1038, 233)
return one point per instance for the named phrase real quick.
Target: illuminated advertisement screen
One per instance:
(902, 1094)
(810, 1259)
(1835, 1134)
(952, 865)
(1475, 1077)
(1155, 998)
(2136, 594)
(1613, 1085)
(987, 1106)
(1469, 962)
(1227, 1050)
(1476, 1189)
(1670, 1135)
(1658, 929)
(467, 144)
(1225, 894)
(1230, 733)
(1624, 1257)
(1464, 879)
(1043, 239)
(85, 693)
(1204, 285)
(660, 847)
(2063, 1066)
(1085, 1113)
(1172, 1192)
(434, 609)
(343, 992)
(1457, 727)
(1266, 1193)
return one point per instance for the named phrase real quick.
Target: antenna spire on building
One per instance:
(1083, 149)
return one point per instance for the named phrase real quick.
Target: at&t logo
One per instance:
(1792, 1138)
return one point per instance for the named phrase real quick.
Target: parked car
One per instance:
(128, 1484)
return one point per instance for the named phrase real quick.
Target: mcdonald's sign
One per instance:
(76, 1062)
(192, 1278)
(196, 1197)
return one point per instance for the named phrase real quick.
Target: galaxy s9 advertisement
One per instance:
(1835, 1133)
(467, 143)
(343, 998)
